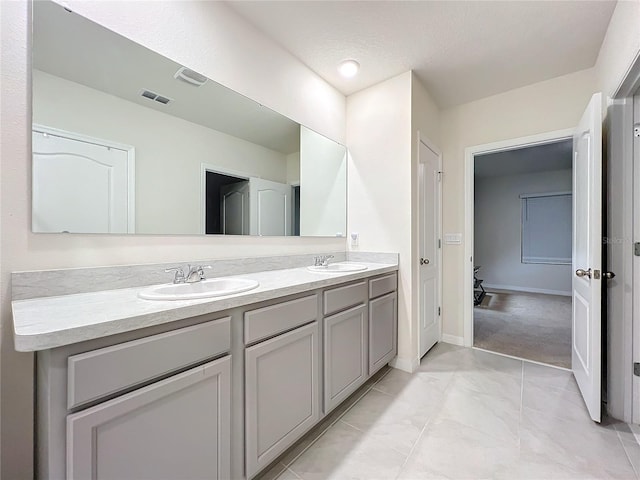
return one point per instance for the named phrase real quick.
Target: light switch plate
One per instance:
(453, 238)
(355, 239)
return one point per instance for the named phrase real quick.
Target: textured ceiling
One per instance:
(460, 50)
(541, 158)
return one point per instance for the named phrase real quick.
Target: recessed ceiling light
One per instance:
(348, 68)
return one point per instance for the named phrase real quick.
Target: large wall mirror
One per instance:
(128, 141)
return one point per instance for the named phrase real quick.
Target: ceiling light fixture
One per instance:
(348, 68)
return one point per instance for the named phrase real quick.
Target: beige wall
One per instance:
(208, 37)
(555, 104)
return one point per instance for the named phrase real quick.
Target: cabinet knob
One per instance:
(424, 261)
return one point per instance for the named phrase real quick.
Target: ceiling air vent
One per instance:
(155, 97)
(187, 75)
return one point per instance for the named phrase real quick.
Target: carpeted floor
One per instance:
(527, 325)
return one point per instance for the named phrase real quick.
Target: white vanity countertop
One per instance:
(49, 322)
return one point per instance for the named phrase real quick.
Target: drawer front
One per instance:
(93, 375)
(268, 321)
(383, 285)
(341, 298)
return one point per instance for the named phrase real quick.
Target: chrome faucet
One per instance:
(322, 260)
(195, 274)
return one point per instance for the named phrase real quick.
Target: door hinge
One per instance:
(636, 130)
(440, 311)
(636, 249)
(439, 176)
(439, 243)
(636, 369)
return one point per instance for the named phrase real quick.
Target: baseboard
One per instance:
(405, 364)
(562, 293)
(453, 339)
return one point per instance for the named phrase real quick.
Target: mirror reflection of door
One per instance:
(254, 206)
(80, 185)
(270, 208)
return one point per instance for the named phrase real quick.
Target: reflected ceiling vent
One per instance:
(193, 78)
(154, 96)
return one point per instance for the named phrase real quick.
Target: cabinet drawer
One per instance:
(382, 285)
(93, 375)
(342, 298)
(268, 321)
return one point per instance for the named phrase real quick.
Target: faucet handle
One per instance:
(201, 271)
(179, 276)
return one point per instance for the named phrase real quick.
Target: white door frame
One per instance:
(429, 144)
(204, 168)
(469, 156)
(626, 152)
(131, 163)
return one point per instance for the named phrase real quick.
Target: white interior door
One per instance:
(79, 186)
(235, 208)
(270, 207)
(429, 198)
(586, 357)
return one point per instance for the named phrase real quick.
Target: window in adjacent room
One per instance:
(546, 228)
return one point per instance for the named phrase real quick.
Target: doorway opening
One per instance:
(523, 252)
(219, 201)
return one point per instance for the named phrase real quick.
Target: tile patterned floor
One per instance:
(465, 414)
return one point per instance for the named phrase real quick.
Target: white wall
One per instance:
(551, 105)
(208, 37)
(498, 225)
(620, 48)
(293, 168)
(323, 180)
(382, 126)
(379, 193)
(169, 150)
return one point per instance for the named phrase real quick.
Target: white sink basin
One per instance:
(339, 268)
(214, 287)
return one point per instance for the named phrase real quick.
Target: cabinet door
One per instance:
(175, 428)
(383, 331)
(345, 355)
(281, 394)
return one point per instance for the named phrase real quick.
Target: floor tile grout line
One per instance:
(388, 444)
(290, 470)
(521, 408)
(522, 359)
(624, 448)
(365, 391)
(427, 423)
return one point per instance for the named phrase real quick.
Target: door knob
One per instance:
(424, 261)
(583, 273)
(608, 275)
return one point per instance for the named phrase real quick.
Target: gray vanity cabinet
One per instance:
(175, 428)
(383, 321)
(345, 342)
(282, 397)
(345, 355)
